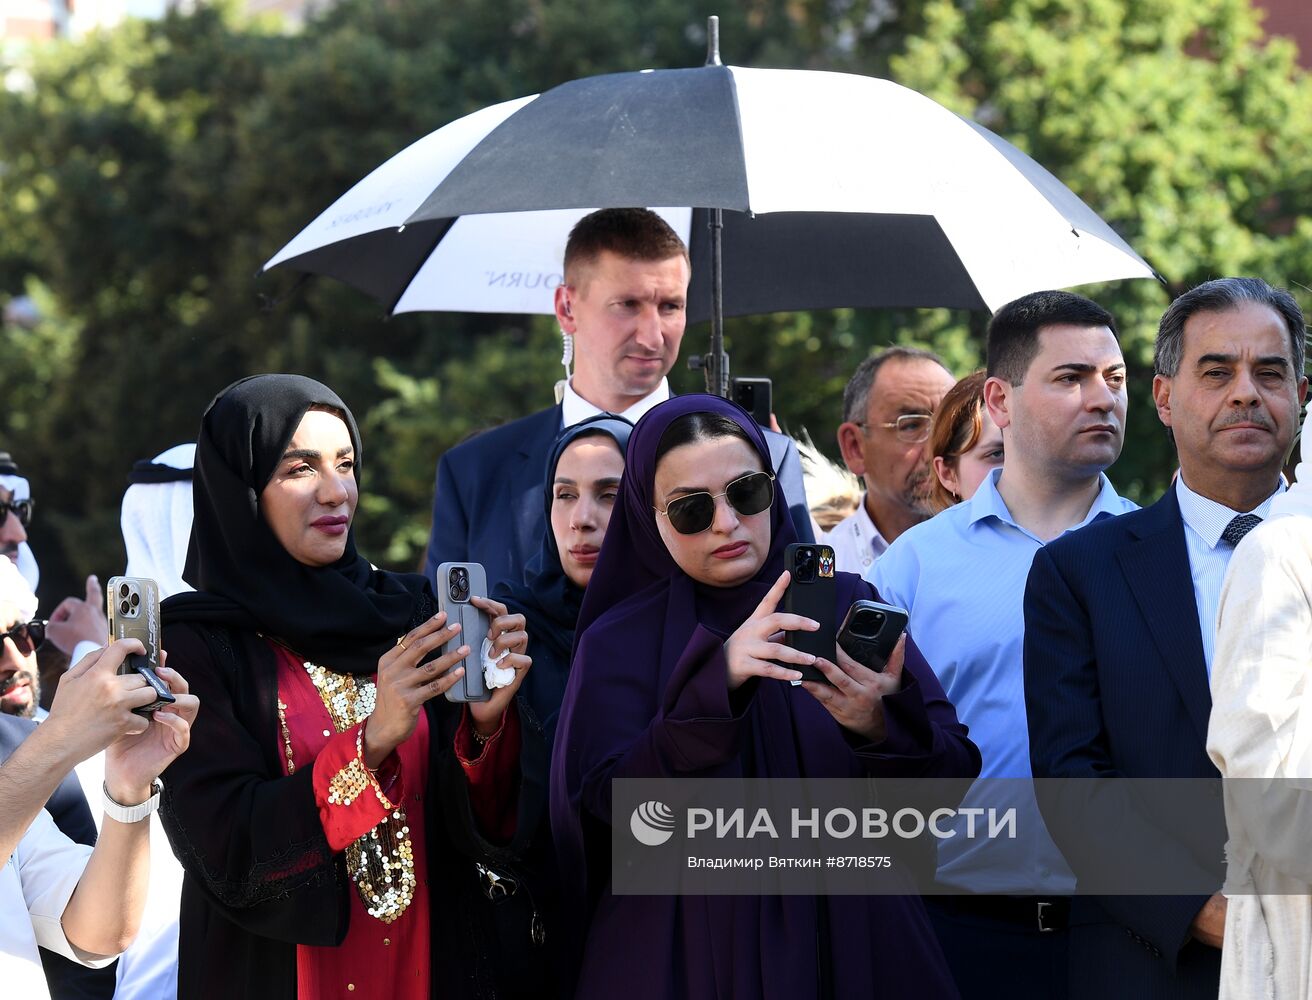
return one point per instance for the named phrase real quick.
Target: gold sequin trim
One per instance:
(381, 864)
(347, 784)
(286, 736)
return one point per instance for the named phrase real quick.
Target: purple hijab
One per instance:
(648, 697)
(642, 560)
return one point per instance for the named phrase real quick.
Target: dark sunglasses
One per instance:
(22, 510)
(27, 636)
(695, 512)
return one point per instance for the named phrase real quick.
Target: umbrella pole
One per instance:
(717, 363)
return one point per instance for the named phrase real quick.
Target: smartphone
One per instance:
(811, 592)
(869, 632)
(456, 583)
(132, 605)
(756, 396)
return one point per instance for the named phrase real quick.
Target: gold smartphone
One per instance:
(132, 603)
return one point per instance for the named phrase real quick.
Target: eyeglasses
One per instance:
(911, 428)
(22, 510)
(27, 636)
(695, 512)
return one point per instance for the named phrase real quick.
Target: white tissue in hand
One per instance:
(494, 676)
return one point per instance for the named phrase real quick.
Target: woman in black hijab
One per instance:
(332, 796)
(583, 477)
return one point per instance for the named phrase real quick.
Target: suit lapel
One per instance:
(1156, 568)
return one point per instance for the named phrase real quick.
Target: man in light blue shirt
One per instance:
(1056, 389)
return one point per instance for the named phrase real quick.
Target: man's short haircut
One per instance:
(1220, 295)
(631, 233)
(856, 396)
(1013, 334)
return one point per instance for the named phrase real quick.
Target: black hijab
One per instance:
(343, 616)
(548, 599)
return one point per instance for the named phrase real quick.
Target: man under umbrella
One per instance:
(624, 302)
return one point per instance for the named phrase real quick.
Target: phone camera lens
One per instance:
(136, 599)
(866, 623)
(123, 590)
(805, 565)
(124, 607)
(458, 584)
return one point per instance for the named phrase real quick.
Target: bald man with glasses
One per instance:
(888, 406)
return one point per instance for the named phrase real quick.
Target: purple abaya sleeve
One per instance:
(690, 729)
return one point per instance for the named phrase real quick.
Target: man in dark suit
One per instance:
(623, 301)
(1119, 623)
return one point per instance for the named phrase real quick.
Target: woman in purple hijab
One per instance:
(673, 675)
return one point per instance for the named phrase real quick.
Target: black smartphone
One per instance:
(811, 592)
(756, 396)
(132, 604)
(869, 632)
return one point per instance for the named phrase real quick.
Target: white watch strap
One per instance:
(132, 814)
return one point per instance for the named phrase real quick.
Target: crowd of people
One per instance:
(324, 811)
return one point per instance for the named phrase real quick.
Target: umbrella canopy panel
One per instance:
(623, 140)
(511, 263)
(838, 190)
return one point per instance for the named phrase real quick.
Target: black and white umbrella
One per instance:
(834, 189)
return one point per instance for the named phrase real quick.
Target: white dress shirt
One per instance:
(35, 885)
(575, 409)
(856, 541)
(148, 970)
(1204, 521)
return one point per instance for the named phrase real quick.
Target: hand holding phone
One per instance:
(752, 651)
(869, 632)
(866, 668)
(424, 663)
(132, 604)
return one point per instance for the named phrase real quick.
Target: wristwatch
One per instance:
(132, 814)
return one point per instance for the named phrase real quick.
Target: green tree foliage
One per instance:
(146, 173)
(1173, 119)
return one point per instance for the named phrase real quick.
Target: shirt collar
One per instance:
(866, 528)
(988, 502)
(1208, 518)
(575, 409)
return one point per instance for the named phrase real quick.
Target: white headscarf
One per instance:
(1298, 498)
(21, 490)
(156, 523)
(14, 590)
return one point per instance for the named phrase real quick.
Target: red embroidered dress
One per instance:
(377, 819)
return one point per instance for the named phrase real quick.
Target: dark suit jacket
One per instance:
(1116, 685)
(488, 508)
(68, 807)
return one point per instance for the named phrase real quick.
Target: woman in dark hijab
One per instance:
(328, 817)
(674, 673)
(583, 479)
